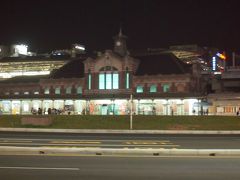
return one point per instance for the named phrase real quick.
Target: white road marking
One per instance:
(41, 168)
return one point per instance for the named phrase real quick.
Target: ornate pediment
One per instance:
(108, 59)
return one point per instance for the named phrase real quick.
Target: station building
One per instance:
(103, 84)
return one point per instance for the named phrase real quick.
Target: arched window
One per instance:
(79, 90)
(180, 88)
(166, 88)
(108, 78)
(69, 90)
(153, 88)
(139, 89)
(57, 90)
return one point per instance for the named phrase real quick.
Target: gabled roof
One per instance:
(73, 69)
(161, 63)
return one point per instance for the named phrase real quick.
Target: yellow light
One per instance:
(222, 56)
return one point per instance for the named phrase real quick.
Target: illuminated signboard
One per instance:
(214, 63)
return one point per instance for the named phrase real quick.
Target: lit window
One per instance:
(89, 79)
(46, 91)
(139, 89)
(68, 90)
(166, 88)
(57, 90)
(16, 93)
(26, 93)
(108, 81)
(101, 81)
(127, 80)
(79, 90)
(6, 93)
(153, 88)
(115, 80)
(36, 92)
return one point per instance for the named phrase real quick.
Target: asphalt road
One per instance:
(120, 140)
(132, 168)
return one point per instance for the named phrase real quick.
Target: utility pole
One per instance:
(131, 112)
(233, 59)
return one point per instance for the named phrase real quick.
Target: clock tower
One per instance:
(120, 46)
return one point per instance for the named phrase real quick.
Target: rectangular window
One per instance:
(115, 81)
(36, 92)
(127, 80)
(26, 93)
(166, 88)
(16, 93)
(68, 90)
(46, 91)
(101, 81)
(89, 81)
(57, 90)
(153, 88)
(79, 90)
(139, 89)
(108, 81)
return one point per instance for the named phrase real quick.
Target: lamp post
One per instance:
(131, 111)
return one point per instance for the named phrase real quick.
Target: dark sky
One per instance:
(56, 24)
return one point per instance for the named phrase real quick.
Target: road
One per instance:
(102, 168)
(120, 140)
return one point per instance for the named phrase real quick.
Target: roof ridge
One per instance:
(177, 61)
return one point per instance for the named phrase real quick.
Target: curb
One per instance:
(109, 131)
(6, 150)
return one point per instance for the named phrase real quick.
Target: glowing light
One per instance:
(80, 47)
(221, 56)
(33, 73)
(214, 63)
(28, 73)
(21, 49)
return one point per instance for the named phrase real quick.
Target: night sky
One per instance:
(48, 25)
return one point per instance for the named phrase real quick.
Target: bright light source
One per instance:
(221, 56)
(33, 73)
(214, 63)
(21, 49)
(80, 47)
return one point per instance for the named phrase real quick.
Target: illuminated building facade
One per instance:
(29, 66)
(160, 84)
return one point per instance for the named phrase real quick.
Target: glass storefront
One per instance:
(6, 107)
(16, 107)
(80, 106)
(26, 107)
(146, 107)
(108, 107)
(104, 106)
